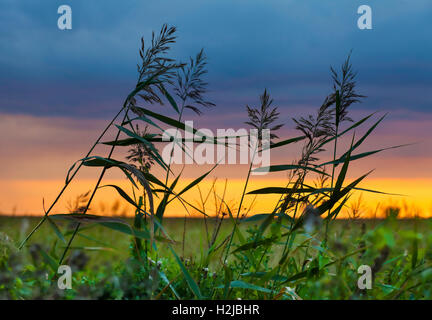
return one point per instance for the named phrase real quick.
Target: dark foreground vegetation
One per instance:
(399, 252)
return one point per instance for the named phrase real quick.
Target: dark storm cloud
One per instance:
(286, 46)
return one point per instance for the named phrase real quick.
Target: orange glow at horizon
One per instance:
(25, 197)
(37, 152)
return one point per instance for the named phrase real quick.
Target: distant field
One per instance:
(100, 237)
(114, 246)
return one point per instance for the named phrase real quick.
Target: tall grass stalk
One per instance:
(77, 227)
(68, 181)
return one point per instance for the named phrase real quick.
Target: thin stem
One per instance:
(184, 236)
(68, 182)
(92, 196)
(172, 151)
(332, 179)
(241, 202)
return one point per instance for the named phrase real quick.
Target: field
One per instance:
(295, 248)
(399, 253)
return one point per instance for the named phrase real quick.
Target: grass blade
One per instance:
(191, 282)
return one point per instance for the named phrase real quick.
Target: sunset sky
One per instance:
(58, 89)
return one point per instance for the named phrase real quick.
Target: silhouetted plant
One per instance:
(141, 154)
(316, 129)
(264, 117)
(344, 83)
(190, 84)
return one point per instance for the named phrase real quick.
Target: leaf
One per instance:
(151, 178)
(343, 172)
(194, 183)
(162, 205)
(256, 217)
(234, 222)
(339, 195)
(262, 274)
(96, 161)
(312, 191)
(56, 229)
(145, 119)
(191, 283)
(109, 222)
(276, 168)
(244, 285)
(284, 142)
(167, 282)
(359, 142)
(363, 155)
(335, 212)
(122, 143)
(86, 218)
(127, 170)
(283, 190)
(264, 225)
(228, 279)
(170, 99)
(49, 260)
(169, 121)
(123, 194)
(67, 180)
(92, 248)
(414, 255)
(355, 125)
(380, 192)
(254, 244)
(80, 234)
(133, 141)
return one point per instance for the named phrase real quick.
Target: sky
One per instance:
(58, 88)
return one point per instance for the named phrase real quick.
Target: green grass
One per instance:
(17, 229)
(397, 277)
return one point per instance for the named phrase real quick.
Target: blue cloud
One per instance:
(286, 46)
